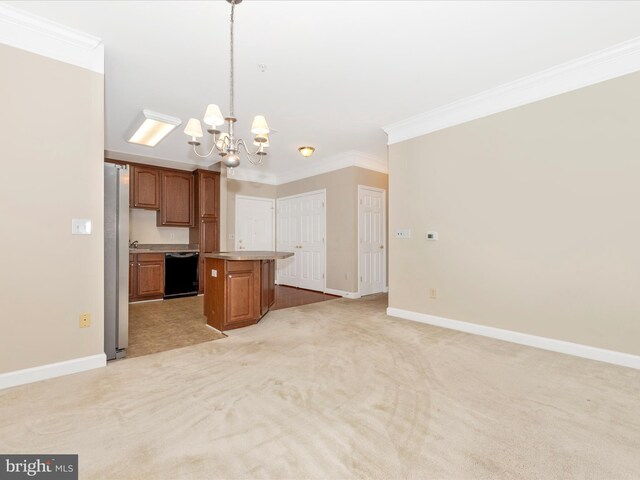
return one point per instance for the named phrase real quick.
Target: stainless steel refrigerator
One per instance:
(116, 260)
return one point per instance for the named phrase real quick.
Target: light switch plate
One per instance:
(81, 226)
(403, 233)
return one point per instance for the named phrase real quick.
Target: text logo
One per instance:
(50, 467)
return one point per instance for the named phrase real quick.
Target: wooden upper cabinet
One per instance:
(176, 206)
(146, 188)
(209, 192)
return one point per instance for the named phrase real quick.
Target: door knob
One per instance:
(381, 246)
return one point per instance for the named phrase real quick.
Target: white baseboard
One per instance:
(385, 289)
(51, 370)
(342, 293)
(575, 349)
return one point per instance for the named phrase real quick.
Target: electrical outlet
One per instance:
(85, 320)
(433, 292)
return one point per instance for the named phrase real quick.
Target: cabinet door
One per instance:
(272, 282)
(209, 192)
(242, 294)
(209, 236)
(264, 287)
(241, 297)
(176, 207)
(150, 279)
(146, 188)
(132, 277)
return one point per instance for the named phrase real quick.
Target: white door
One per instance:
(288, 240)
(255, 218)
(302, 230)
(311, 250)
(372, 240)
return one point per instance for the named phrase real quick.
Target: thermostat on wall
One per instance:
(432, 236)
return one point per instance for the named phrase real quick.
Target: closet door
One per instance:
(301, 230)
(288, 235)
(311, 249)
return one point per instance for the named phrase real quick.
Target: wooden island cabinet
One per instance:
(239, 287)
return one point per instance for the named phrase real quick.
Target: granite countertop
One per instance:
(163, 248)
(249, 255)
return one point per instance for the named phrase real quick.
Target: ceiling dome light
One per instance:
(306, 151)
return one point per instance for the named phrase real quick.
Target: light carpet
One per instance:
(337, 390)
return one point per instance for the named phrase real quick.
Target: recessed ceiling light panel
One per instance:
(151, 127)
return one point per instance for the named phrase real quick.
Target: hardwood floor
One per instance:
(294, 297)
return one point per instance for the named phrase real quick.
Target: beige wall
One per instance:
(51, 118)
(342, 218)
(143, 227)
(537, 214)
(342, 215)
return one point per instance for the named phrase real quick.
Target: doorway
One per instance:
(372, 240)
(255, 223)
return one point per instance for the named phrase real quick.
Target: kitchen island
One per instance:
(239, 287)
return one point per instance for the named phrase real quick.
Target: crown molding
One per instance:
(251, 175)
(38, 35)
(350, 158)
(596, 67)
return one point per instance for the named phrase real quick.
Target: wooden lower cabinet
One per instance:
(132, 276)
(146, 276)
(240, 293)
(209, 241)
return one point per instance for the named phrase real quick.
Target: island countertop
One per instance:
(249, 255)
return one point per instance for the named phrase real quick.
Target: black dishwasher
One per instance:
(180, 274)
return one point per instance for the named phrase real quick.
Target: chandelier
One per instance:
(225, 143)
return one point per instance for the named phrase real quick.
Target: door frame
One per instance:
(273, 217)
(385, 286)
(323, 191)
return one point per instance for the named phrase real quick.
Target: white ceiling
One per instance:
(337, 71)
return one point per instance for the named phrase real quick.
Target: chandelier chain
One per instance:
(233, 4)
(225, 143)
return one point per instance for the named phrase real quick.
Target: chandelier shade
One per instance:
(213, 116)
(259, 125)
(193, 129)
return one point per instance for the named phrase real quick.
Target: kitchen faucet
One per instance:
(133, 244)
